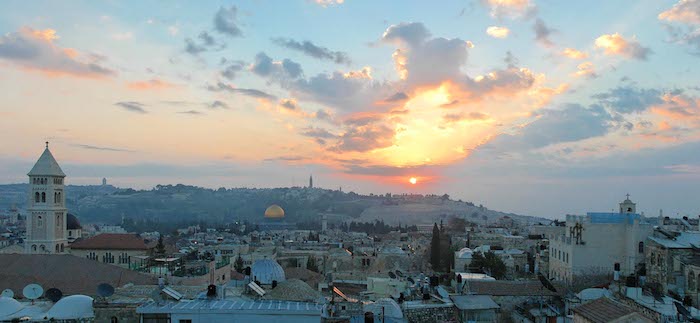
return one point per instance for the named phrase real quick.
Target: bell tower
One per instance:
(46, 211)
(627, 206)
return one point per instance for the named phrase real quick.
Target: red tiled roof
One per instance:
(602, 310)
(112, 241)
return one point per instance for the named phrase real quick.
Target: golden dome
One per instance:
(274, 212)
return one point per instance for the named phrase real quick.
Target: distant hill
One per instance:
(175, 205)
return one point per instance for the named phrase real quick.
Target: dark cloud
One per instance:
(542, 32)
(280, 71)
(218, 105)
(226, 22)
(91, 147)
(317, 133)
(572, 123)
(36, 50)
(248, 92)
(289, 104)
(628, 99)
(132, 106)
(232, 70)
(204, 42)
(397, 97)
(191, 112)
(308, 48)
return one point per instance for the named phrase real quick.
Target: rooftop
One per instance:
(232, 306)
(474, 302)
(46, 165)
(603, 310)
(112, 241)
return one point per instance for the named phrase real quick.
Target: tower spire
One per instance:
(47, 145)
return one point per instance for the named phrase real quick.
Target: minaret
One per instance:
(46, 214)
(311, 181)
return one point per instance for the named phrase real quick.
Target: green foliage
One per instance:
(488, 263)
(238, 264)
(160, 247)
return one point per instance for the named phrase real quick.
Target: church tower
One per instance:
(627, 206)
(46, 212)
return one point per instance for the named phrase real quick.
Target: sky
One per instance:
(537, 107)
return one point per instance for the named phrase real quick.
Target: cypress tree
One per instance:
(435, 249)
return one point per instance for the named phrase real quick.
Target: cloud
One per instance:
(132, 106)
(308, 48)
(225, 21)
(574, 53)
(191, 112)
(326, 3)
(586, 69)
(91, 147)
(247, 92)
(615, 44)
(218, 105)
(397, 97)
(459, 117)
(280, 71)
(289, 104)
(318, 133)
(685, 11)
(573, 122)
(628, 99)
(232, 70)
(153, 84)
(512, 9)
(36, 50)
(204, 42)
(679, 106)
(542, 33)
(683, 24)
(498, 32)
(365, 138)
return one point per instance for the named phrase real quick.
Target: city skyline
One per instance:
(528, 107)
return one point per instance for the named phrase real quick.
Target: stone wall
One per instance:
(430, 314)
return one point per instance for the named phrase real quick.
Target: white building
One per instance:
(46, 214)
(592, 244)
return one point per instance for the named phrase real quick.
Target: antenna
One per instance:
(54, 294)
(8, 293)
(32, 291)
(105, 290)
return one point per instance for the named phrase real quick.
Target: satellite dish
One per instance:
(105, 290)
(411, 280)
(54, 294)
(443, 293)
(8, 293)
(32, 291)
(392, 275)
(399, 273)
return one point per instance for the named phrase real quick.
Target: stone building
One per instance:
(592, 244)
(112, 248)
(666, 253)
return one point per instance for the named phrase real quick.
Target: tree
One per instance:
(435, 248)
(488, 263)
(160, 247)
(238, 265)
(311, 264)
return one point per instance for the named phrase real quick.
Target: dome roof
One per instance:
(72, 222)
(274, 212)
(465, 253)
(72, 307)
(267, 270)
(9, 306)
(391, 308)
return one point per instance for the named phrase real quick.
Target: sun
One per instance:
(413, 180)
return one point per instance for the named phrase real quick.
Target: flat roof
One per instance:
(231, 306)
(474, 302)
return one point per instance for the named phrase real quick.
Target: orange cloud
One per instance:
(498, 32)
(685, 11)
(574, 53)
(154, 84)
(615, 44)
(586, 69)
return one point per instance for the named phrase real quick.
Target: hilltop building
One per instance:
(46, 214)
(592, 244)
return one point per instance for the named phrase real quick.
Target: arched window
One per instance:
(43, 197)
(60, 200)
(39, 221)
(33, 247)
(58, 221)
(62, 247)
(691, 281)
(114, 319)
(57, 248)
(55, 197)
(37, 197)
(641, 247)
(42, 248)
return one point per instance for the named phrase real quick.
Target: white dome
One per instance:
(391, 308)
(593, 293)
(9, 306)
(267, 270)
(465, 253)
(72, 307)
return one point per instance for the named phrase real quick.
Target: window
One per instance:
(39, 221)
(114, 319)
(653, 259)
(156, 318)
(641, 247)
(33, 247)
(62, 247)
(57, 248)
(42, 248)
(37, 197)
(43, 197)
(185, 321)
